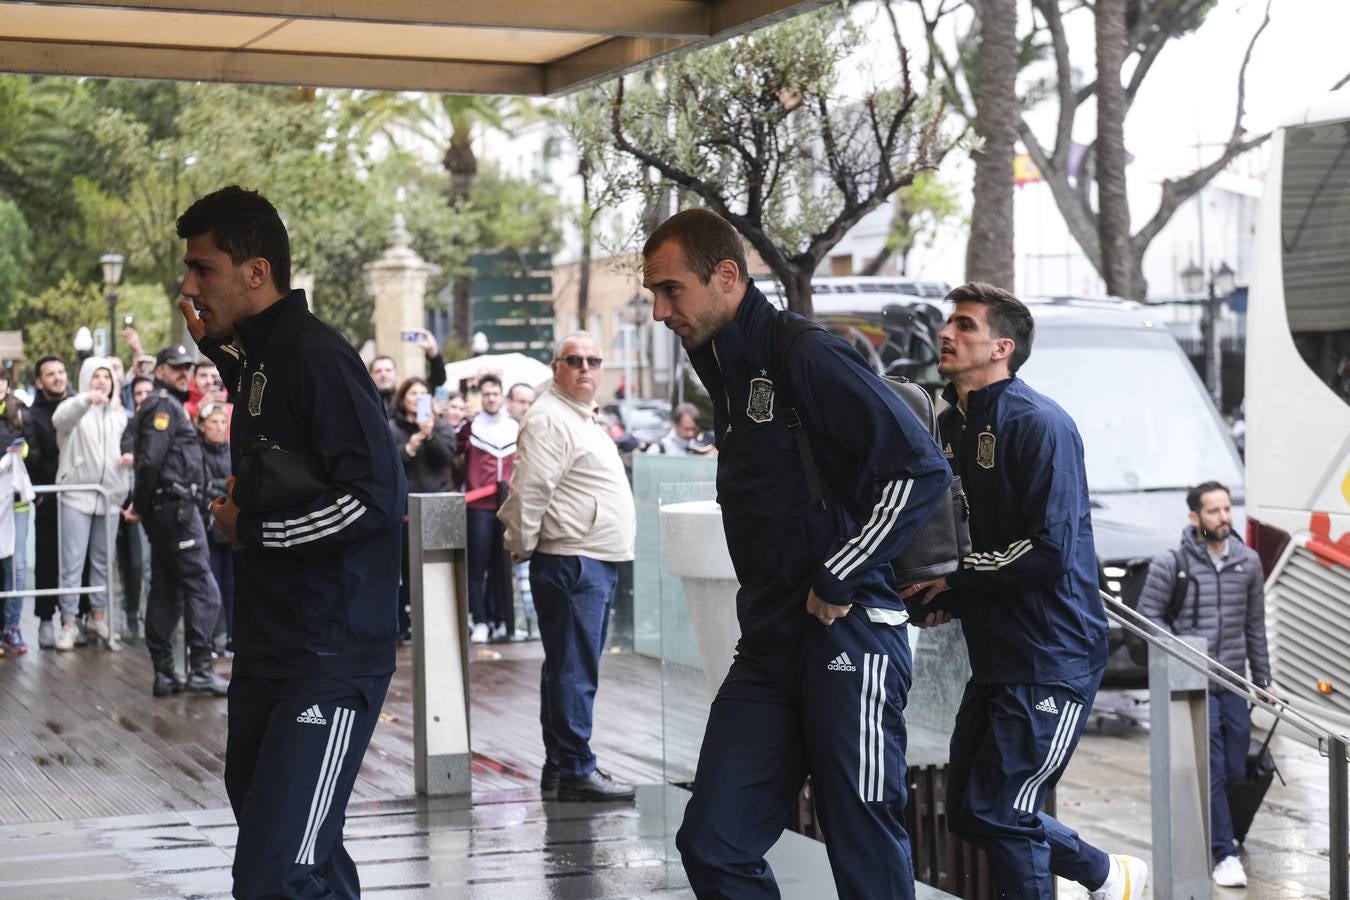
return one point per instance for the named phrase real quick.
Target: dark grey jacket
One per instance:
(1231, 610)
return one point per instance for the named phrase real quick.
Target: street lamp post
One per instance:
(1219, 286)
(112, 274)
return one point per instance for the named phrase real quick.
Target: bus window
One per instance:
(1315, 239)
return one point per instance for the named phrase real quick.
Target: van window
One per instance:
(1146, 422)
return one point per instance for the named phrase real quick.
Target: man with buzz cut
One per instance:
(316, 557)
(822, 669)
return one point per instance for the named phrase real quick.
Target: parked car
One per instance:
(646, 420)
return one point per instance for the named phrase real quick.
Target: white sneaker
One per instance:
(499, 632)
(1125, 881)
(66, 639)
(97, 628)
(1229, 873)
(479, 634)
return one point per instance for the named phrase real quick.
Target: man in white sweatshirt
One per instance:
(570, 512)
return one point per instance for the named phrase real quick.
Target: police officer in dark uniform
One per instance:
(316, 556)
(170, 479)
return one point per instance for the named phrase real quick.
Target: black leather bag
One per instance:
(938, 546)
(272, 478)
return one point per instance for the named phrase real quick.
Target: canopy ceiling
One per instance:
(530, 47)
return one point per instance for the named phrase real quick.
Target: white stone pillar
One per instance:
(399, 281)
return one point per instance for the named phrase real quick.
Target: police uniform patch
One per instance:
(255, 393)
(984, 450)
(760, 407)
(161, 421)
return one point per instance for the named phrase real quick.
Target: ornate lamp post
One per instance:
(112, 275)
(1220, 286)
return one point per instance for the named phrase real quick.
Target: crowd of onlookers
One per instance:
(56, 433)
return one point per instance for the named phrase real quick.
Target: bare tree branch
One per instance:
(1340, 84)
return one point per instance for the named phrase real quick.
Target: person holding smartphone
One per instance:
(427, 448)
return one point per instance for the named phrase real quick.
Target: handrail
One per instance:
(1216, 672)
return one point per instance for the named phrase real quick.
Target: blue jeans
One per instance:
(15, 572)
(1230, 734)
(487, 576)
(572, 598)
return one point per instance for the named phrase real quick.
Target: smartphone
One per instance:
(412, 337)
(128, 321)
(442, 394)
(424, 408)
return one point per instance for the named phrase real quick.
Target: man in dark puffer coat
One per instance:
(1225, 604)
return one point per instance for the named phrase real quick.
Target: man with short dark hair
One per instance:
(1028, 602)
(384, 371)
(488, 445)
(170, 482)
(316, 558)
(684, 430)
(822, 669)
(1223, 601)
(43, 458)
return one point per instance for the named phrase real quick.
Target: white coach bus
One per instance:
(1298, 404)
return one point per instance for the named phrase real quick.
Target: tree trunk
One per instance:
(462, 165)
(796, 280)
(989, 254)
(587, 235)
(1113, 208)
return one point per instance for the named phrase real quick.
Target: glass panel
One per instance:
(1315, 238)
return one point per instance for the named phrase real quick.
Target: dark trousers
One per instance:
(572, 598)
(489, 584)
(1230, 735)
(131, 562)
(1010, 744)
(291, 758)
(46, 566)
(181, 585)
(222, 570)
(831, 707)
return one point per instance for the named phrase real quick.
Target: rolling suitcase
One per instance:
(1245, 796)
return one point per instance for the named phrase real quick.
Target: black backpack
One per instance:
(1183, 584)
(937, 548)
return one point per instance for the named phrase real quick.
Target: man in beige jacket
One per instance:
(571, 514)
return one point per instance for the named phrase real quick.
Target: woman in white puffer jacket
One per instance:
(89, 432)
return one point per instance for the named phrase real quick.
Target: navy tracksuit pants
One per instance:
(1230, 736)
(831, 707)
(291, 758)
(1010, 744)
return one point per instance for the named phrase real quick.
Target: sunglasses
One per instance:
(574, 362)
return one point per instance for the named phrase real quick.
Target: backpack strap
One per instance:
(786, 331)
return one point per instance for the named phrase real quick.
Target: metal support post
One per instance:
(438, 572)
(1179, 764)
(1340, 821)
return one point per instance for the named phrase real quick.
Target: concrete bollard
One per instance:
(1179, 764)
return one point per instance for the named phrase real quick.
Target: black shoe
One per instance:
(167, 683)
(595, 787)
(548, 781)
(204, 680)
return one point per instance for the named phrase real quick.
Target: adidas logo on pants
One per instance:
(311, 716)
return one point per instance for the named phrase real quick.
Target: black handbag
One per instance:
(936, 549)
(271, 477)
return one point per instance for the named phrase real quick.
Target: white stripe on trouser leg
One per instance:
(344, 739)
(879, 663)
(332, 763)
(863, 743)
(1059, 748)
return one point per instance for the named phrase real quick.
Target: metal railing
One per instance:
(110, 611)
(1333, 745)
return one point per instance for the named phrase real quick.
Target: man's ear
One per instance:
(1194, 518)
(1003, 348)
(726, 276)
(258, 272)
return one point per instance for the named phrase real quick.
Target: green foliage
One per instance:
(51, 318)
(922, 209)
(156, 321)
(517, 215)
(16, 259)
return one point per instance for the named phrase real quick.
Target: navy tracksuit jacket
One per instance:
(802, 698)
(316, 602)
(1027, 597)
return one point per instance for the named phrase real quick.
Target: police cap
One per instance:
(176, 355)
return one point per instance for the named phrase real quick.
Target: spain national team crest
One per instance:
(760, 407)
(984, 450)
(255, 394)
(161, 421)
